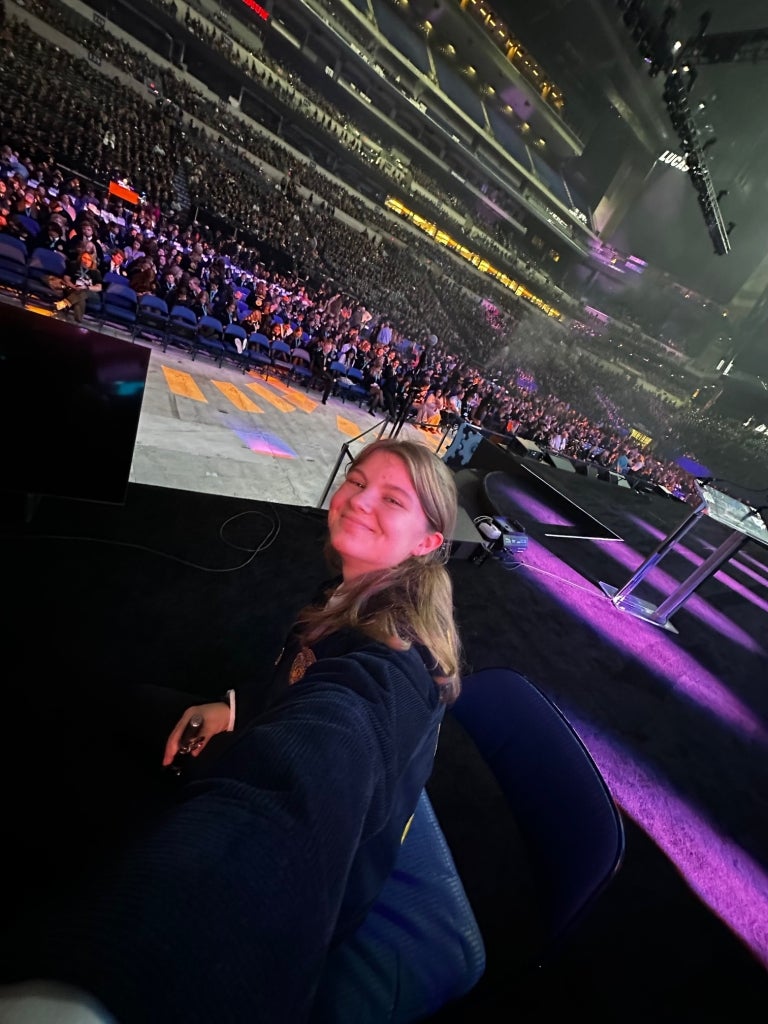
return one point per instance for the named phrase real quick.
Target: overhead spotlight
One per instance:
(729, 227)
(707, 144)
(720, 194)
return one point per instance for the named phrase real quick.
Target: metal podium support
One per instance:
(659, 615)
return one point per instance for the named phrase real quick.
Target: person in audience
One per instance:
(621, 464)
(115, 264)
(142, 276)
(82, 277)
(293, 813)
(227, 313)
(322, 357)
(373, 374)
(390, 385)
(201, 305)
(53, 239)
(84, 237)
(134, 249)
(428, 411)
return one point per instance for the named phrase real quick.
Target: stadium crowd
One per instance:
(232, 223)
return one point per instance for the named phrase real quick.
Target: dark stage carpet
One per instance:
(194, 592)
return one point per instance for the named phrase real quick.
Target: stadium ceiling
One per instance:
(570, 38)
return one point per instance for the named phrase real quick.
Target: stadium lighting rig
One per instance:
(677, 61)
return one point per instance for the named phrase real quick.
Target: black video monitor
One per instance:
(70, 400)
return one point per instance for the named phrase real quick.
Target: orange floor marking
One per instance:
(184, 384)
(347, 426)
(300, 399)
(236, 396)
(274, 400)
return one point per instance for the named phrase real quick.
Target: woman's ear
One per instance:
(430, 542)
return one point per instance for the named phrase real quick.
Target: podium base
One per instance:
(635, 606)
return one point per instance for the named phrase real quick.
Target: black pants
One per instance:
(327, 381)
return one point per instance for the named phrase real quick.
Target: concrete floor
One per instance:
(216, 430)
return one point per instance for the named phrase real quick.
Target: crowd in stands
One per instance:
(231, 223)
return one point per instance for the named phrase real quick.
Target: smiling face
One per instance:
(375, 518)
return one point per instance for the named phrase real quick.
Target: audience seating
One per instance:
(280, 354)
(28, 225)
(151, 319)
(359, 390)
(13, 265)
(210, 339)
(182, 329)
(566, 814)
(235, 341)
(111, 277)
(418, 949)
(341, 381)
(258, 355)
(41, 265)
(119, 306)
(94, 305)
(302, 366)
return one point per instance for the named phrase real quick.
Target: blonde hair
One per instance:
(412, 602)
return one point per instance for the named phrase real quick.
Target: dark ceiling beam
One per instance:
(728, 47)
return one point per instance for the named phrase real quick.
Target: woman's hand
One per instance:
(215, 720)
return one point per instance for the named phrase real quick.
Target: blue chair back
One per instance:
(182, 329)
(120, 296)
(419, 946)
(41, 265)
(234, 332)
(210, 338)
(10, 246)
(113, 278)
(562, 806)
(258, 354)
(210, 325)
(27, 224)
(235, 341)
(119, 305)
(151, 318)
(13, 264)
(183, 315)
(47, 261)
(280, 352)
(153, 306)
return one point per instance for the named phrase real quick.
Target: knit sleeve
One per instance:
(225, 909)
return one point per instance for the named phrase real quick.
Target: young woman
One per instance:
(226, 907)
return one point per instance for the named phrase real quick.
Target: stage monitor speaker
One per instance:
(587, 469)
(559, 462)
(522, 446)
(618, 479)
